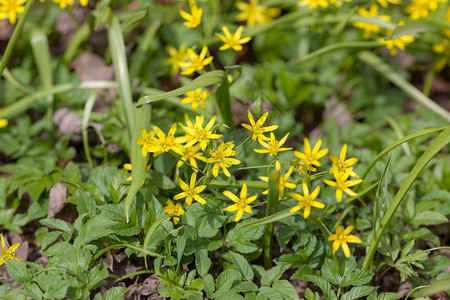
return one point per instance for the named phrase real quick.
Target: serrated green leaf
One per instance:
(270, 293)
(241, 264)
(96, 275)
(309, 295)
(181, 244)
(208, 282)
(324, 285)
(388, 296)
(226, 279)
(18, 271)
(358, 292)
(115, 293)
(228, 295)
(202, 261)
(244, 287)
(356, 278)
(330, 272)
(286, 289)
(56, 224)
(273, 274)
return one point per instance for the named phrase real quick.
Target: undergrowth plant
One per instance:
(218, 184)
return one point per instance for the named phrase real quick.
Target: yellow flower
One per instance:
(283, 180)
(369, 27)
(444, 49)
(384, 3)
(233, 41)
(165, 143)
(341, 164)
(257, 129)
(341, 238)
(3, 123)
(174, 209)
(274, 146)
(146, 141)
(311, 157)
(176, 57)
(313, 3)
(397, 43)
(198, 134)
(242, 203)
(306, 201)
(9, 9)
(256, 14)
(196, 62)
(84, 2)
(63, 3)
(7, 254)
(196, 98)
(221, 158)
(190, 191)
(342, 184)
(421, 8)
(194, 19)
(191, 154)
(129, 167)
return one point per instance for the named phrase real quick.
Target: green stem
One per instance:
(441, 141)
(429, 82)
(272, 208)
(12, 41)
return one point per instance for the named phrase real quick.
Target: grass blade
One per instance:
(273, 199)
(338, 46)
(85, 125)
(441, 141)
(117, 47)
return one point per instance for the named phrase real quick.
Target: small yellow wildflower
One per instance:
(176, 57)
(306, 201)
(341, 164)
(256, 14)
(341, 238)
(84, 2)
(146, 141)
(63, 3)
(174, 209)
(369, 27)
(311, 157)
(190, 191)
(165, 143)
(194, 19)
(9, 9)
(196, 62)
(256, 128)
(274, 146)
(242, 203)
(3, 123)
(221, 158)
(233, 41)
(196, 98)
(7, 254)
(421, 8)
(191, 154)
(198, 134)
(342, 184)
(444, 49)
(397, 43)
(313, 3)
(283, 180)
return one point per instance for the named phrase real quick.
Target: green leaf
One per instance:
(202, 261)
(429, 218)
(358, 292)
(56, 224)
(357, 278)
(208, 283)
(330, 272)
(18, 271)
(269, 219)
(41, 53)
(85, 204)
(32, 290)
(115, 293)
(284, 235)
(228, 295)
(413, 27)
(96, 276)
(339, 46)
(223, 100)
(270, 293)
(241, 264)
(388, 296)
(57, 290)
(244, 287)
(324, 285)
(226, 279)
(273, 274)
(210, 78)
(181, 244)
(286, 289)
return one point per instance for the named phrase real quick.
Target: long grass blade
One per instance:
(273, 199)
(85, 125)
(338, 46)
